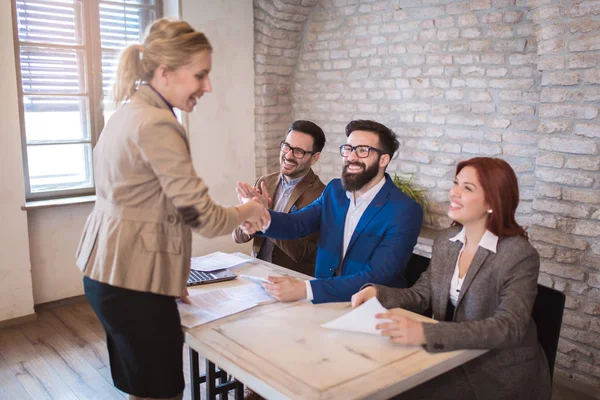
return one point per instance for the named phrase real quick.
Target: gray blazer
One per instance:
(148, 199)
(493, 311)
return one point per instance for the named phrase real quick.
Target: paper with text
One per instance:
(215, 304)
(361, 319)
(215, 261)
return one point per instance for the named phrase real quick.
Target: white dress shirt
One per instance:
(353, 215)
(488, 241)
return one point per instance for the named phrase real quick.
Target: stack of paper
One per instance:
(215, 261)
(361, 319)
(210, 306)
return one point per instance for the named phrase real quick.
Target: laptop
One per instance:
(202, 278)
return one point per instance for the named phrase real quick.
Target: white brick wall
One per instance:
(454, 79)
(516, 79)
(568, 177)
(278, 29)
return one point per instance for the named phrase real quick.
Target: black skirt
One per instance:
(144, 339)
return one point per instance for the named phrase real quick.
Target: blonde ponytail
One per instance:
(128, 73)
(168, 42)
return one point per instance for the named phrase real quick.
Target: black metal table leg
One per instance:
(211, 392)
(222, 376)
(195, 375)
(239, 390)
(213, 373)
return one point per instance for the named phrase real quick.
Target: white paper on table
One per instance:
(215, 261)
(209, 306)
(361, 319)
(192, 315)
(249, 293)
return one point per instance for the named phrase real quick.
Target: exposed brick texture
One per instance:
(278, 33)
(454, 79)
(516, 79)
(569, 161)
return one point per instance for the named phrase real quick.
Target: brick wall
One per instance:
(278, 26)
(453, 79)
(566, 216)
(516, 79)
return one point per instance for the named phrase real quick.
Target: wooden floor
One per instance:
(62, 356)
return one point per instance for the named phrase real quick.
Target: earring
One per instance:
(490, 211)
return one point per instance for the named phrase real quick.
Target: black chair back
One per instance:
(416, 266)
(547, 313)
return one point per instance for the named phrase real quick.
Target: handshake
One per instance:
(253, 207)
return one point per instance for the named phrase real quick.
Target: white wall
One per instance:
(222, 126)
(222, 136)
(53, 238)
(16, 298)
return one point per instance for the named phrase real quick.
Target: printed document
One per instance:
(215, 261)
(361, 319)
(220, 303)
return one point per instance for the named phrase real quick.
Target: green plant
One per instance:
(412, 190)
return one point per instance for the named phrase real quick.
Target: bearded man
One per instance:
(367, 226)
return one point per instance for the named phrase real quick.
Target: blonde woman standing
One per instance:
(136, 245)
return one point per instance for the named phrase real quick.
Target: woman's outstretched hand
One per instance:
(363, 296)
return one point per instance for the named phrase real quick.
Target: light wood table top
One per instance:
(281, 351)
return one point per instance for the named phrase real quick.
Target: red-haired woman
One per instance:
(481, 282)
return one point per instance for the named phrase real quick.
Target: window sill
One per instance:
(39, 204)
(425, 241)
(428, 236)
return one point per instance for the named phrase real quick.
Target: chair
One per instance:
(547, 314)
(416, 266)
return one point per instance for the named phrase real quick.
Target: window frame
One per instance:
(93, 90)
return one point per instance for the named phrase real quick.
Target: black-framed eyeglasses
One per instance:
(296, 151)
(360, 150)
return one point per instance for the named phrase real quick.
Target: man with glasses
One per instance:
(368, 227)
(292, 188)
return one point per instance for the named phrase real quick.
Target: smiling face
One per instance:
(467, 198)
(291, 166)
(358, 172)
(182, 87)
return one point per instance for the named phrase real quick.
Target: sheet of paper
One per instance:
(361, 319)
(220, 303)
(215, 261)
(249, 293)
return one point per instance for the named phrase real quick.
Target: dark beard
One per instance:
(354, 182)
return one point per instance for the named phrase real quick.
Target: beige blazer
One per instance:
(148, 199)
(300, 254)
(493, 311)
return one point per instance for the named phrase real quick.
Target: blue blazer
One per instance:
(379, 248)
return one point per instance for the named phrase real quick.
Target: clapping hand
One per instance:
(246, 192)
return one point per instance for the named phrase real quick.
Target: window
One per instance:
(67, 53)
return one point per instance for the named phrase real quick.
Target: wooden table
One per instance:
(281, 351)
